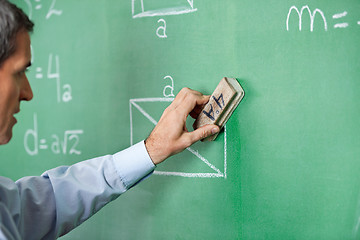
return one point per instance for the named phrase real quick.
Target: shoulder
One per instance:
(9, 192)
(7, 185)
(9, 207)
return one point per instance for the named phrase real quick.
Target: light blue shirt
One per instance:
(51, 205)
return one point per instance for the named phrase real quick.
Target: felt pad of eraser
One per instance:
(222, 103)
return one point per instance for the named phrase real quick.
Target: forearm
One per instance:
(84, 188)
(64, 197)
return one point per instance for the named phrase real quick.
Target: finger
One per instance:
(189, 100)
(202, 132)
(186, 93)
(198, 109)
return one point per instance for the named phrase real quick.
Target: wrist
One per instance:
(153, 151)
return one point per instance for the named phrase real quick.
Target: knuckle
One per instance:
(186, 92)
(203, 134)
(185, 89)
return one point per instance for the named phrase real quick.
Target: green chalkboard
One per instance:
(287, 165)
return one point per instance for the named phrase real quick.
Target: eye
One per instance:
(21, 72)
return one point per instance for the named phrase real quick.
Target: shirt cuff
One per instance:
(133, 164)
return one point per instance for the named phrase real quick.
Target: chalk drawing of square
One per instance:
(143, 120)
(139, 9)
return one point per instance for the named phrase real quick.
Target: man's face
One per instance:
(14, 85)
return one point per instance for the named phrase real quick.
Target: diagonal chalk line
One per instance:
(191, 2)
(145, 113)
(197, 154)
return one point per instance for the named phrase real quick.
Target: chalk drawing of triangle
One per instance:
(214, 172)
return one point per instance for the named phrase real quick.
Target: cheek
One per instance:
(6, 124)
(8, 105)
(6, 136)
(9, 94)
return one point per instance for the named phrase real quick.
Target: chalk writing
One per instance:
(169, 87)
(161, 31)
(300, 15)
(67, 145)
(38, 6)
(39, 74)
(338, 16)
(63, 92)
(53, 11)
(312, 14)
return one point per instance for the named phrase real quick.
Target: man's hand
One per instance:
(170, 135)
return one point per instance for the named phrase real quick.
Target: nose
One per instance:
(26, 93)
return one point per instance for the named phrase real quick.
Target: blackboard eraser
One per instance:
(222, 103)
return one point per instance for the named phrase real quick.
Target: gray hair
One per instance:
(12, 20)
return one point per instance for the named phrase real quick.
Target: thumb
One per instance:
(204, 132)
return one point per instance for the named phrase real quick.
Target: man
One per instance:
(51, 205)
